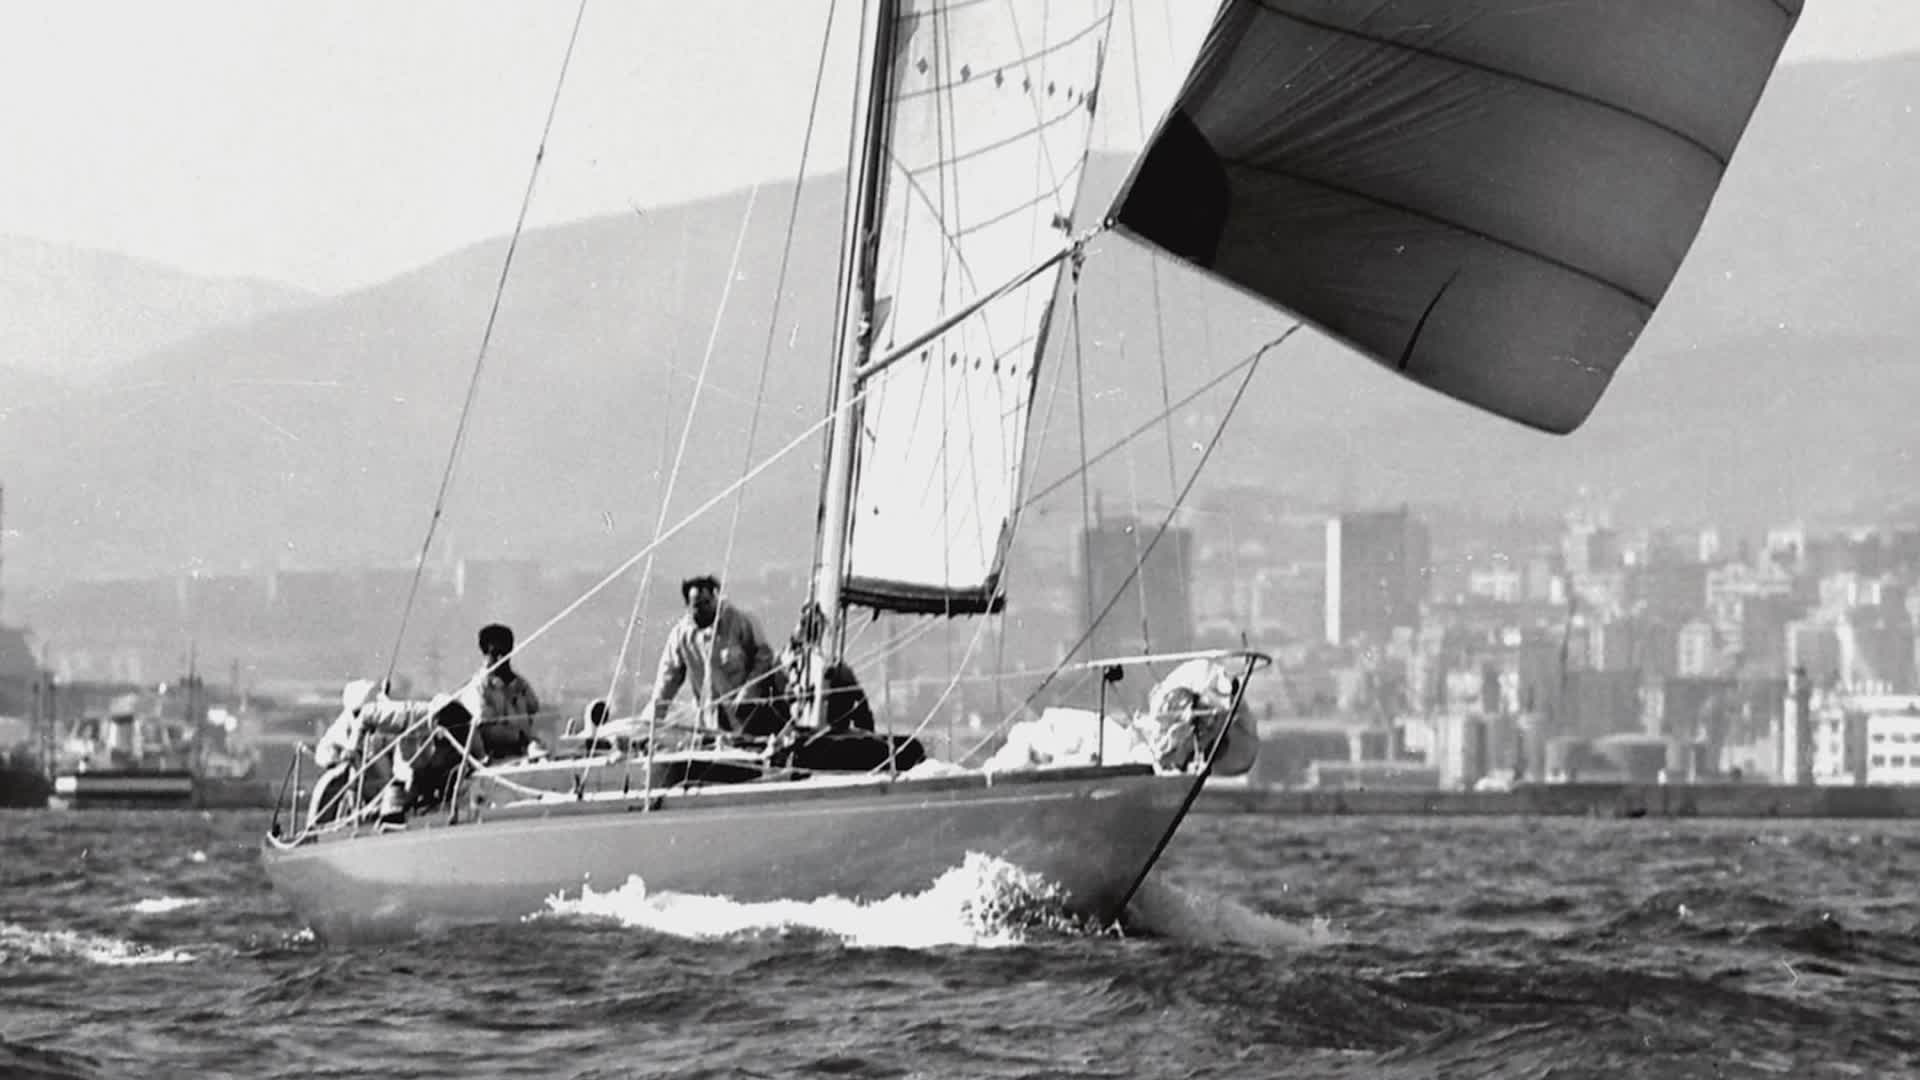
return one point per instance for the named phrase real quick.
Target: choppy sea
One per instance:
(149, 945)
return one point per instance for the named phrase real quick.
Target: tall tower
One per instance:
(1139, 591)
(1376, 567)
(1796, 736)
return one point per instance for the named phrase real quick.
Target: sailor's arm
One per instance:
(387, 715)
(672, 673)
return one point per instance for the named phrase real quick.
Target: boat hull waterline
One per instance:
(1092, 832)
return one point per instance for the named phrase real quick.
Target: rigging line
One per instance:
(669, 373)
(973, 643)
(897, 353)
(1133, 533)
(1084, 668)
(1023, 476)
(1086, 497)
(1121, 442)
(892, 644)
(1253, 368)
(935, 205)
(1089, 101)
(637, 557)
(780, 277)
(1153, 275)
(686, 434)
(486, 338)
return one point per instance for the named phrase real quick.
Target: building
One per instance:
(1796, 743)
(1669, 591)
(1126, 613)
(1866, 739)
(1697, 650)
(1813, 645)
(1459, 749)
(1597, 703)
(1697, 706)
(1888, 728)
(1590, 548)
(1877, 649)
(1377, 570)
(1633, 642)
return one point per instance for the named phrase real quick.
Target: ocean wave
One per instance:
(1482, 907)
(20, 944)
(985, 902)
(40, 1063)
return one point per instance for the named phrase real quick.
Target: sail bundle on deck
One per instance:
(988, 115)
(1488, 196)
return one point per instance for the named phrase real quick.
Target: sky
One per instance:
(333, 145)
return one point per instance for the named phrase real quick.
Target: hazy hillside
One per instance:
(1775, 381)
(84, 315)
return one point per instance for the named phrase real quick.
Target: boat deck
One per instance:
(783, 788)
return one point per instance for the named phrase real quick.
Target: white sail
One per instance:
(989, 113)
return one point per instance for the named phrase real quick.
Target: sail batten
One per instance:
(1490, 197)
(988, 120)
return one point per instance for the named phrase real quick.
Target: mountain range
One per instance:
(79, 315)
(256, 426)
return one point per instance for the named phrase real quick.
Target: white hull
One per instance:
(1091, 831)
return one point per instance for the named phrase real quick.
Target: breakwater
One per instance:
(1608, 800)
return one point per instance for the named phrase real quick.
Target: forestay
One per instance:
(1488, 196)
(989, 112)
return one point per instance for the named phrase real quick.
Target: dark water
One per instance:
(148, 945)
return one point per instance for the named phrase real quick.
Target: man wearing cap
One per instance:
(720, 650)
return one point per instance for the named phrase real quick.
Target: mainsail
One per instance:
(987, 117)
(1487, 196)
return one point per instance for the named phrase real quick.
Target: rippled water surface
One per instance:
(150, 945)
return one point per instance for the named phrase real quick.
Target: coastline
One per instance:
(1602, 800)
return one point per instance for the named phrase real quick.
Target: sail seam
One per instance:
(954, 479)
(1413, 211)
(1075, 172)
(1040, 199)
(988, 148)
(1718, 157)
(1026, 58)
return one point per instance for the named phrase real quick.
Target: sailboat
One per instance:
(1488, 197)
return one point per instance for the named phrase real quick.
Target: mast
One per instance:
(853, 340)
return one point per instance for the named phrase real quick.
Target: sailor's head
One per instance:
(496, 641)
(702, 596)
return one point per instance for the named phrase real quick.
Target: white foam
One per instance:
(23, 943)
(1164, 909)
(985, 902)
(160, 905)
